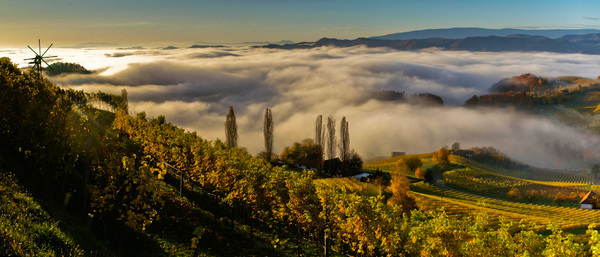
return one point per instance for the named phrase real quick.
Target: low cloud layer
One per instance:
(194, 88)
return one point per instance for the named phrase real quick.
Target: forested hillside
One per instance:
(122, 185)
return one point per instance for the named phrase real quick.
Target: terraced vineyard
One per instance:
(495, 182)
(498, 186)
(561, 176)
(430, 197)
(538, 174)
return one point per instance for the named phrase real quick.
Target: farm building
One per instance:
(332, 166)
(396, 154)
(588, 201)
(311, 162)
(464, 153)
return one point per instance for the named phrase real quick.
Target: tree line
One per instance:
(324, 146)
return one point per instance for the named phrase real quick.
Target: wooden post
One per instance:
(180, 183)
(325, 243)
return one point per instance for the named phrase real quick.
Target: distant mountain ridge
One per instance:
(585, 44)
(458, 33)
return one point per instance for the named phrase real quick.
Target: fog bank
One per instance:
(194, 88)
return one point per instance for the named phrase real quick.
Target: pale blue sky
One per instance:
(182, 22)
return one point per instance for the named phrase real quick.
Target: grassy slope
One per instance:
(26, 229)
(574, 82)
(579, 106)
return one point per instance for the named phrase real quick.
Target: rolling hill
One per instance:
(585, 44)
(457, 33)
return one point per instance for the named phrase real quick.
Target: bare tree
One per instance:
(268, 132)
(331, 142)
(345, 140)
(231, 129)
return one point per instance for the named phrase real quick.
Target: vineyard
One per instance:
(542, 195)
(532, 173)
(486, 183)
(459, 204)
(387, 165)
(351, 184)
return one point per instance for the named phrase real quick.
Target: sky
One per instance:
(180, 22)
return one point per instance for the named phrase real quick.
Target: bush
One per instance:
(515, 194)
(413, 162)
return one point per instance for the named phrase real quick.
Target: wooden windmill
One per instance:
(39, 58)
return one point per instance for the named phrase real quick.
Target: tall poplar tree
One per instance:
(231, 135)
(268, 132)
(319, 130)
(319, 137)
(331, 142)
(345, 140)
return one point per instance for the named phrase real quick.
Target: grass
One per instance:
(26, 229)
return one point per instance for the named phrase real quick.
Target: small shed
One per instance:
(396, 154)
(464, 153)
(587, 202)
(311, 162)
(332, 166)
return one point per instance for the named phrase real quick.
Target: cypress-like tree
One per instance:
(319, 130)
(268, 132)
(345, 140)
(125, 100)
(331, 142)
(231, 135)
(319, 138)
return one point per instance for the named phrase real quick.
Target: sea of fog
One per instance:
(193, 88)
